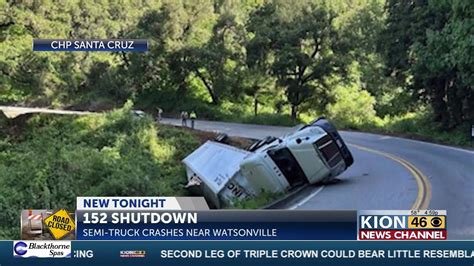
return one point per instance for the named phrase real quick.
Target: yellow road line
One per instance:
(424, 186)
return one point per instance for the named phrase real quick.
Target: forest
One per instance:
(391, 66)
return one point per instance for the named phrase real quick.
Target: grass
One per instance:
(267, 119)
(417, 126)
(260, 201)
(227, 111)
(50, 160)
(420, 127)
(414, 125)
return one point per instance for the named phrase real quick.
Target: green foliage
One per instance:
(428, 48)
(260, 201)
(55, 159)
(353, 107)
(62, 78)
(420, 126)
(401, 67)
(396, 66)
(416, 125)
(305, 48)
(206, 51)
(249, 61)
(268, 119)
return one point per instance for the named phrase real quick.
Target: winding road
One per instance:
(388, 173)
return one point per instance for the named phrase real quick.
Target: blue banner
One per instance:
(216, 225)
(263, 253)
(220, 231)
(101, 45)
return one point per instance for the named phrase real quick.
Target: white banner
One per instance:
(127, 203)
(42, 249)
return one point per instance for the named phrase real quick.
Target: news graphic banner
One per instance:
(183, 231)
(189, 218)
(144, 218)
(82, 45)
(238, 253)
(139, 219)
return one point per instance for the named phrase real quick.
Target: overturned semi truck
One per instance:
(224, 174)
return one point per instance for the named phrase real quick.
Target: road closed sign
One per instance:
(60, 224)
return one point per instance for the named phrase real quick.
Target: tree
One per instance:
(303, 50)
(218, 62)
(174, 31)
(427, 50)
(258, 85)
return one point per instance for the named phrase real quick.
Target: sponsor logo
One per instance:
(42, 249)
(132, 253)
(20, 248)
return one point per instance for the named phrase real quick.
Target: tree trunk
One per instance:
(294, 112)
(125, 59)
(438, 103)
(182, 90)
(255, 105)
(454, 102)
(214, 98)
(208, 86)
(469, 106)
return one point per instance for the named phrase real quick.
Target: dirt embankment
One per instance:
(204, 136)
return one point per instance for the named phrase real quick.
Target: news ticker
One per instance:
(82, 45)
(230, 253)
(188, 218)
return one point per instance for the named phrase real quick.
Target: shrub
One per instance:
(260, 201)
(56, 159)
(269, 119)
(353, 107)
(419, 125)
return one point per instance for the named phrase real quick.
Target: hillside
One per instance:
(49, 160)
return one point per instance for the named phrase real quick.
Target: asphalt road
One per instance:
(388, 173)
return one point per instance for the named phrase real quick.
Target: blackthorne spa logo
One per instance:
(42, 249)
(20, 248)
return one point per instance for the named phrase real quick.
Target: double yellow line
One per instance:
(424, 186)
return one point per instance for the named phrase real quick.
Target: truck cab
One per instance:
(310, 154)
